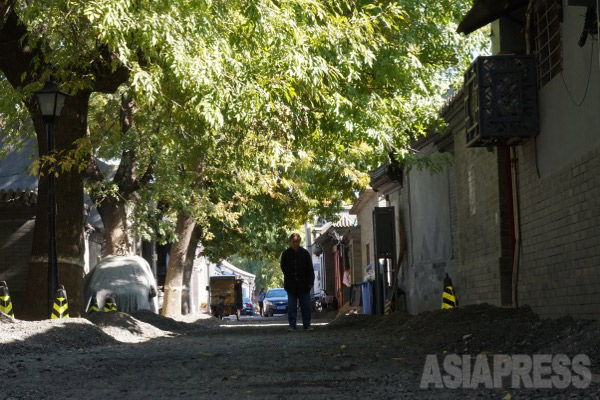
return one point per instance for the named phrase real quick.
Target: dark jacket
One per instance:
(298, 272)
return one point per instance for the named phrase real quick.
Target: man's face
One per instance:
(295, 243)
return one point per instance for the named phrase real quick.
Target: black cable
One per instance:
(587, 85)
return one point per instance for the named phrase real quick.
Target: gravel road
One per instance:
(208, 358)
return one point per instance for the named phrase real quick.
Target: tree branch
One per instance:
(6, 7)
(124, 177)
(126, 173)
(108, 78)
(143, 181)
(92, 171)
(17, 61)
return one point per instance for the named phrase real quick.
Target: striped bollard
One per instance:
(389, 307)
(60, 308)
(5, 303)
(448, 296)
(110, 304)
(93, 305)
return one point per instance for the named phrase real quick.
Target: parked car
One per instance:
(276, 302)
(248, 306)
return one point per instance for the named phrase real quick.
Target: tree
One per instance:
(315, 89)
(137, 152)
(265, 101)
(26, 62)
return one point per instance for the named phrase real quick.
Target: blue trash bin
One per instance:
(367, 297)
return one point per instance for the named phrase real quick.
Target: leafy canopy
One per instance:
(267, 111)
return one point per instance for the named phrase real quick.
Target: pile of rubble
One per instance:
(21, 337)
(125, 328)
(99, 329)
(486, 329)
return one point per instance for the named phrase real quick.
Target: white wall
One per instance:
(567, 131)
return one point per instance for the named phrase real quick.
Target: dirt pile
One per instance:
(487, 329)
(164, 323)
(125, 328)
(201, 320)
(354, 321)
(324, 315)
(484, 328)
(582, 338)
(22, 337)
(361, 321)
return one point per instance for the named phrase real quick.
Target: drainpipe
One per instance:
(514, 174)
(517, 224)
(528, 26)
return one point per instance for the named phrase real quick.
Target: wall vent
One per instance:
(501, 102)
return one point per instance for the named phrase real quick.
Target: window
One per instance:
(547, 19)
(276, 293)
(368, 254)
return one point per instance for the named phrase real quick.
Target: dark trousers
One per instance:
(304, 299)
(261, 305)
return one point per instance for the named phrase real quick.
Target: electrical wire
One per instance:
(587, 85)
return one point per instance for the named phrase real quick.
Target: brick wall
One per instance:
(560, 229)
(480, 223)
(15, 252)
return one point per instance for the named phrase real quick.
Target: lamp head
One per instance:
(51, 101)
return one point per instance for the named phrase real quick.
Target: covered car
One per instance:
(128, 280)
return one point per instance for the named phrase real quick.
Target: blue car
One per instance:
(248, 306)
(276, 302)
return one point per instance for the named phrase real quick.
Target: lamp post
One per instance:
(51, 102)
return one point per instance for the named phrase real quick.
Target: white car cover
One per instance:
(128, 280)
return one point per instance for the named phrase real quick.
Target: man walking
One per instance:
(261, 301)
(298, 279)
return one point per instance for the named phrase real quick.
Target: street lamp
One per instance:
(51, 102)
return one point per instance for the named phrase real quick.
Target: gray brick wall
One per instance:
(560, 228)
(478, 225)
(559, 270)
(16, 236)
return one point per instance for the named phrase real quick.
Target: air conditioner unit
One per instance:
(501, 102)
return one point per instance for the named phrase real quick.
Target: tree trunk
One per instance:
(69, 218)
(188, 267)
(177, 256)
(114, 219)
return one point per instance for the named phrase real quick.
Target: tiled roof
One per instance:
(390, 172)
(485, 11)
(15, 167)
(27, 198)
(346, 221)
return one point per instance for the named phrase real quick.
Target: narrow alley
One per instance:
(354, 356)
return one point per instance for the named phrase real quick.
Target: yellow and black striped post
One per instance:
(61, 305)
(389, 307)
(93, 305)
(5, 303)
(448, 296)
(110, 304)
